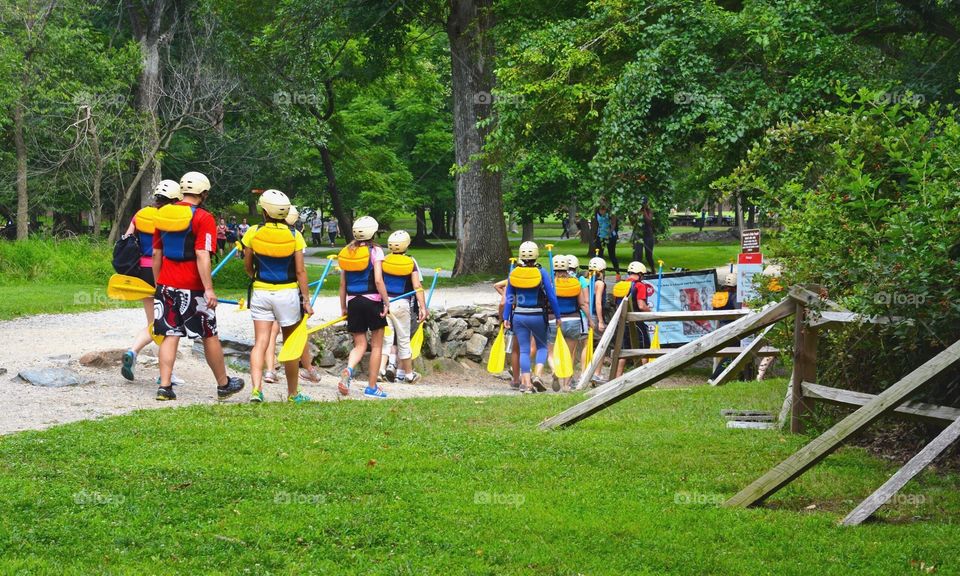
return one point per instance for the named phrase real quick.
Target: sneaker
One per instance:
(374, 392)
(515, 385)
(232, 386)
(413, 378)
(391, 373)
(537, 382)
(166, 393)
(556, 384)
(256, 396)
(129, 361)
(381, 377)
(270, 377)
(310, 375)
(300, 398)
(174, 380)
(344, 384)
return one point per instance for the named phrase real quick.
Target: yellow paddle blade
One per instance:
(655, 342)
(121, 287)
(157, 339)
(416, 343)
(293, 346)
(562, 361)
(589, 357)
(497, 353)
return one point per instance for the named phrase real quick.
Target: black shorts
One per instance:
(643, 335)
(221, 242)
(145, 273)
(363, 314)
(183, 313)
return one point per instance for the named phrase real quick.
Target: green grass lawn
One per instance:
(452, 486)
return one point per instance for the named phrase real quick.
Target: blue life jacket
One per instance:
(144, 222)
(358, 268)
(175, 222)
(398, 274)
(273, 254)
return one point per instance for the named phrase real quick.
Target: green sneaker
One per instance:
(300, 398)
(256, 396)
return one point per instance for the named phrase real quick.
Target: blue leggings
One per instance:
(525, 325)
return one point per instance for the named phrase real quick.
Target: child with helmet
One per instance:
(574, 307)
(401, 274)
(184, 237)
(273, 258)
(530, 299)
(634, 287)
(365, 303)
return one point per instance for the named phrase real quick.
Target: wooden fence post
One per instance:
(804, 366)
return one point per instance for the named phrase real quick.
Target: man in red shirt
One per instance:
(184, 237)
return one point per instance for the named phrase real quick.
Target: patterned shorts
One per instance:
(179, 312)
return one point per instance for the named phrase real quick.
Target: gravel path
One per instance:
(45, 341)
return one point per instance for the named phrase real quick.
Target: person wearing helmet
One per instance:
(725, 298)
(640, 292)
(184, 237)
(141, 228)
(574, 306)
(595, 273)
(364, 301)
(401, 274)
(531, 299)
(273, 258)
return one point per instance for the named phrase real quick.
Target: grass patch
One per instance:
(445, 486)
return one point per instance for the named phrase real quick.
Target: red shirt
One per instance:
(186, 275)
(644, 291)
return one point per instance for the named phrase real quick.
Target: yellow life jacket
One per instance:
(525, 277)
(173, 218)
(273, 241)
(146, 219)
(622, 288)
(720, 299)
(568, 287)
(398, 265)
(355, 260)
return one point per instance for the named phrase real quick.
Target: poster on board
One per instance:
(684, 291)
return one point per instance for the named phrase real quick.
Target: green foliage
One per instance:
(869, 202)
(78, 261)
(431, 486)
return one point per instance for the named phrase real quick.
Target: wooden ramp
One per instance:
(648, 374)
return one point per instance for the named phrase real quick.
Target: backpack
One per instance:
(126, 255)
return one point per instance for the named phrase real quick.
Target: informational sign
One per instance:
(748, 266)
(684, 291)
(750, 241)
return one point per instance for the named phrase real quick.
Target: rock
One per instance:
(60, 359)
(431, 340)
(474, 322)
(326, 359)
(461, 311)
(148, 361)
(467, 334)
(52, 377)
(475, 346)
(457, 331)
(452, 349)
(3, 371)
(445, 365)
(342, 346)
(102, 358)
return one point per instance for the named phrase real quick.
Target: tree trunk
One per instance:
(96, 202)
(571, 218)
(343, 219)
(481, 232)
(438, 222)
(751, 215)
(23, 198)
(527, 231)
(420, 238)
(148, 98)
(586, 234)
(738, 211)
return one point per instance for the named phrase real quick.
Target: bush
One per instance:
(868, 200)
(83, 260)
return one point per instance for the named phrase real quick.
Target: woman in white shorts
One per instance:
(273, 256)
(574, 309)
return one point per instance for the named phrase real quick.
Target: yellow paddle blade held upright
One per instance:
(495, 362)
(589, 356)
(562, 360)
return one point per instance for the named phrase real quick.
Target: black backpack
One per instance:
(126, 255)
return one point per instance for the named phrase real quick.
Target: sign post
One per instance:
(749, 263)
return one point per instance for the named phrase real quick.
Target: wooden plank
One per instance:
(804, 366)
(729, 352)
(617, 341)
(736, 365)
(808, 456)
(918, 410)
(601, 350)
(826, 317)
(677, 315)
(787, 402)
(635, 380)
(923, 458)
(751, 425)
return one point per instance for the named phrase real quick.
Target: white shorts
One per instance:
(399, 319)
(280, 305)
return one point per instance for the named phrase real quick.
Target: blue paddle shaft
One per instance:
(224, 261)
(316, 293)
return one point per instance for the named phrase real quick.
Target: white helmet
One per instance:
(573, 263)
(398, 242)
(364, 228)
(293, 216)
(194, 183)
(529, 251)
(168, 189)
(730, 279)
(597, 264)
(275, 203)
(559, 263)
(636, 267)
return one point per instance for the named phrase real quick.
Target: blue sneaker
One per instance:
(300, 398)
(376, 392)
(256, 396)
(129, 361)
